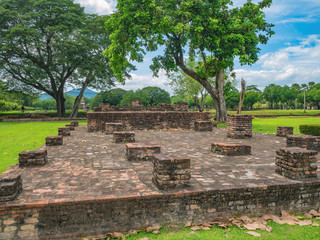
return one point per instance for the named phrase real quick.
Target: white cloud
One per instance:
(292, 64)
(102, 7)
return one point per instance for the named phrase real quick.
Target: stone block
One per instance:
(140, 152)
(10, 187)
(230, 149)
(114, 127)
(239, 126)
(296, 163)
(123, 137)
(64, 131)
(75, 123)
(33, 158)
(54, 140)
(70, 126)
(203, 126)
(284, 131)
(171, 171)
(304, 141)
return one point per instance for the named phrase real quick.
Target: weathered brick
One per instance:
(123, 137)
(203, 126)
(239, 126)
(284, 131)
(230, 149)
(30, 158)
(54, 140)
(64, 131)
(138, 152)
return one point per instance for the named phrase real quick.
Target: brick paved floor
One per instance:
(90, 166)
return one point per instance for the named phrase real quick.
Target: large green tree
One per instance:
(212, 31)
(45, 44)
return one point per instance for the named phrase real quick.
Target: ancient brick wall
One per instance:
(92, 217)
(239, 126)
(146, 120)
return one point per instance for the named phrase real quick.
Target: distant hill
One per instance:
(75, 92)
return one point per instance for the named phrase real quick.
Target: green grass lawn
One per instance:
(279, 232)
(17, 137)
(275, 112)
(269, 125)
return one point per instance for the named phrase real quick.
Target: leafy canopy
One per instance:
(212, 30)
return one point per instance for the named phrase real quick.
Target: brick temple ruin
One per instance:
(111, 176)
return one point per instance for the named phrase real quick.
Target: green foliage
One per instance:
(113, 96)
(251, 97)
(8, 106)
(50, 104)
(131, 95)
(310, 129)
(153, 96)
(232, 99)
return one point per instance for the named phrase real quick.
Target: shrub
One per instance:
(313, 129)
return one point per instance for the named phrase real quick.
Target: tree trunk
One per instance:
(221, 102)
(78, 100)
(243, 91)
(197, 102)
(61, 110)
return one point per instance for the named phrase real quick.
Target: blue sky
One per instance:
(291, 56)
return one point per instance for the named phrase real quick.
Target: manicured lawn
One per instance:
(269, 125)
(274, 112)
(17, 137)
(279, 232)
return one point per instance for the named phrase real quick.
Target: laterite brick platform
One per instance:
(230, 149)
(64, 131)
(33, 158)
(203, 126)
(239, 126)
(54, 140)
(140, 152)
(88, 187)
(114, 127)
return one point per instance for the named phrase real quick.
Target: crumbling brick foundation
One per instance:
(64, 131)
(54, 140)
(239, 126)
(123, 137)
(284, 131)
(139, 152)
(170, 172)
(33, 158)
(114, 127)
(230, 149)
(70, 126)
(10, 187)
(296, 163)
(304, 141)
(203, 126)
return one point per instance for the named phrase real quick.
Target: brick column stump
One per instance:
(170, 172)
(304, 141)
(296, 163)
(123, 137)
(203, 126)
(70, 126)
(54, 140)
(75, 123)
(64, 131)
(139, 152)
(284, 131)
(230, 149)
(239, 126)
(10, 187)
(114, 127)
(33, 158)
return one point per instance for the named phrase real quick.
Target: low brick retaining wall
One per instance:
(54, 140)
(284, 131)
(239, 126)
(230, 149)
(304, 141)
(146, 120)
(139, 152)
(114, 127)
(297, 163)
(71, 126)
(62, 220)
(33, 158)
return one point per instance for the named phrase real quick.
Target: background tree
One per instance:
(251, 98)
(154, 96)
(186, 87)
(46, 44)
(113, 97)
(208, 30)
